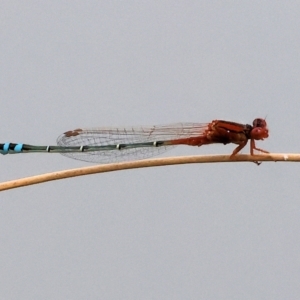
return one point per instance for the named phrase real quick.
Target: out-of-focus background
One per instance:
(213, 231)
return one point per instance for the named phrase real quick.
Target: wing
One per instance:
(128, 135)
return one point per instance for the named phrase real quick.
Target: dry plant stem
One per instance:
(145, 164)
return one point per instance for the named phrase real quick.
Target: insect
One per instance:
(106, 145)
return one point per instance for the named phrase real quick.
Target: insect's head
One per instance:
(260, 130)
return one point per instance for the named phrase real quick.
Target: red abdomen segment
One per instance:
(218, 131)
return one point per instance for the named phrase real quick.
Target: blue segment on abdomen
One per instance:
(18, 148)
(6, 148)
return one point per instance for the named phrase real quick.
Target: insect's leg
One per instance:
(253, 147)
(238, 148)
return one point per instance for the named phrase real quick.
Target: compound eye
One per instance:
(259, 133)
(259, 123)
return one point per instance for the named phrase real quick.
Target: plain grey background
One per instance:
(214, 231)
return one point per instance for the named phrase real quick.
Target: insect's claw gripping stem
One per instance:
(232, 156)
(261, 150)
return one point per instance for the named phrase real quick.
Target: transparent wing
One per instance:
(129, 135)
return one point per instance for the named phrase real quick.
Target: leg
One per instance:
(253, 147)
(238, 149)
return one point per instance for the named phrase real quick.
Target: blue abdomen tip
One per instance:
(6, 148)
(18, 148)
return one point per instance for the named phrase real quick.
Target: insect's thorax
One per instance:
(228, 132)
